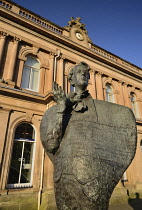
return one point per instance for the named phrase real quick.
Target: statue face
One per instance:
(80, 77)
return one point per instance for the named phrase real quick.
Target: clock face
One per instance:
(79, 36)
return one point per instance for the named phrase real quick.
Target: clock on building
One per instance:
(79, 36)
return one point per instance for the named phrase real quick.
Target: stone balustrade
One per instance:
(31, 16)
(103, 53)
(6, 4)
(15, 8)
(39, 21)
(129, 65)
(116, 59)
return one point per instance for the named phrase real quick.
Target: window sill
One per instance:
(18, 191)
(18, 186)
(30, 90)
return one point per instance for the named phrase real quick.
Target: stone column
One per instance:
(21, 66)
(66, 84)
(92, 87)
(49, 74)
(126, 95)
(2, 44)
(139, 103)
(121, 96)
(42, 79)
(12, 60)
(115, 92)
(99, 86)
(60, 72)
(4, 116)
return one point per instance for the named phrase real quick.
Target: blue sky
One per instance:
(114, 25)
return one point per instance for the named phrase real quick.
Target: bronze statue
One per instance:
(90, 142)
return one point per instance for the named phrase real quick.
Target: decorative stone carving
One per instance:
(16, 40)
(25, 50)
(78, 32)
(52, 54)
(106, 80)
(29, 117)
(3, 34)
(77, 23)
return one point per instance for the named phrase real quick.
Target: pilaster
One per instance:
(4, 125)
(2, 44)
(126, 95)
(42, 79)
(60, 71)
(12, 61)
(121, 96)
(92, 86)
(139, 102)
(4, 116)
(49, 73)
(115, 92)
(19, 78)
(99, 86)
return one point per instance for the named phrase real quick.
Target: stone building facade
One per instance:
(34, 52)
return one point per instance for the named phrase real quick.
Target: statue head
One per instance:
(79, 76)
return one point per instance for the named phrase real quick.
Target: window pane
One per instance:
(134, 104)
(33, 62)
(36, 65)
(30, 78)
(26, 77)
(27, 163)
(15, 163)
(22, 155)
(24, 131)
(108, 89)
(34, 80)
(109, 93)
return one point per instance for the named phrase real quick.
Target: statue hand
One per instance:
(59, 94)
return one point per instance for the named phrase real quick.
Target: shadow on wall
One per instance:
(135, 203)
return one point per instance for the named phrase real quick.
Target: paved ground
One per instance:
(121, 207)
(133, 204)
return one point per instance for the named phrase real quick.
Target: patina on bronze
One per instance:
(90, 142)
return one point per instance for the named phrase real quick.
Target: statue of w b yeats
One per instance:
(90, 142)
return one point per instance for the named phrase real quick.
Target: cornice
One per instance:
(18, 9)
(5, 107)
(3, 34)
(26, 95)
(79, 49)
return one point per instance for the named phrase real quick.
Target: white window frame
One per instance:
(134, 104)
(29, 184)
(108, 94)
(31, 75)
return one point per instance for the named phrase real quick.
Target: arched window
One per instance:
(30, 77)
(109, 93)
(134, 104)
(20, 174)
